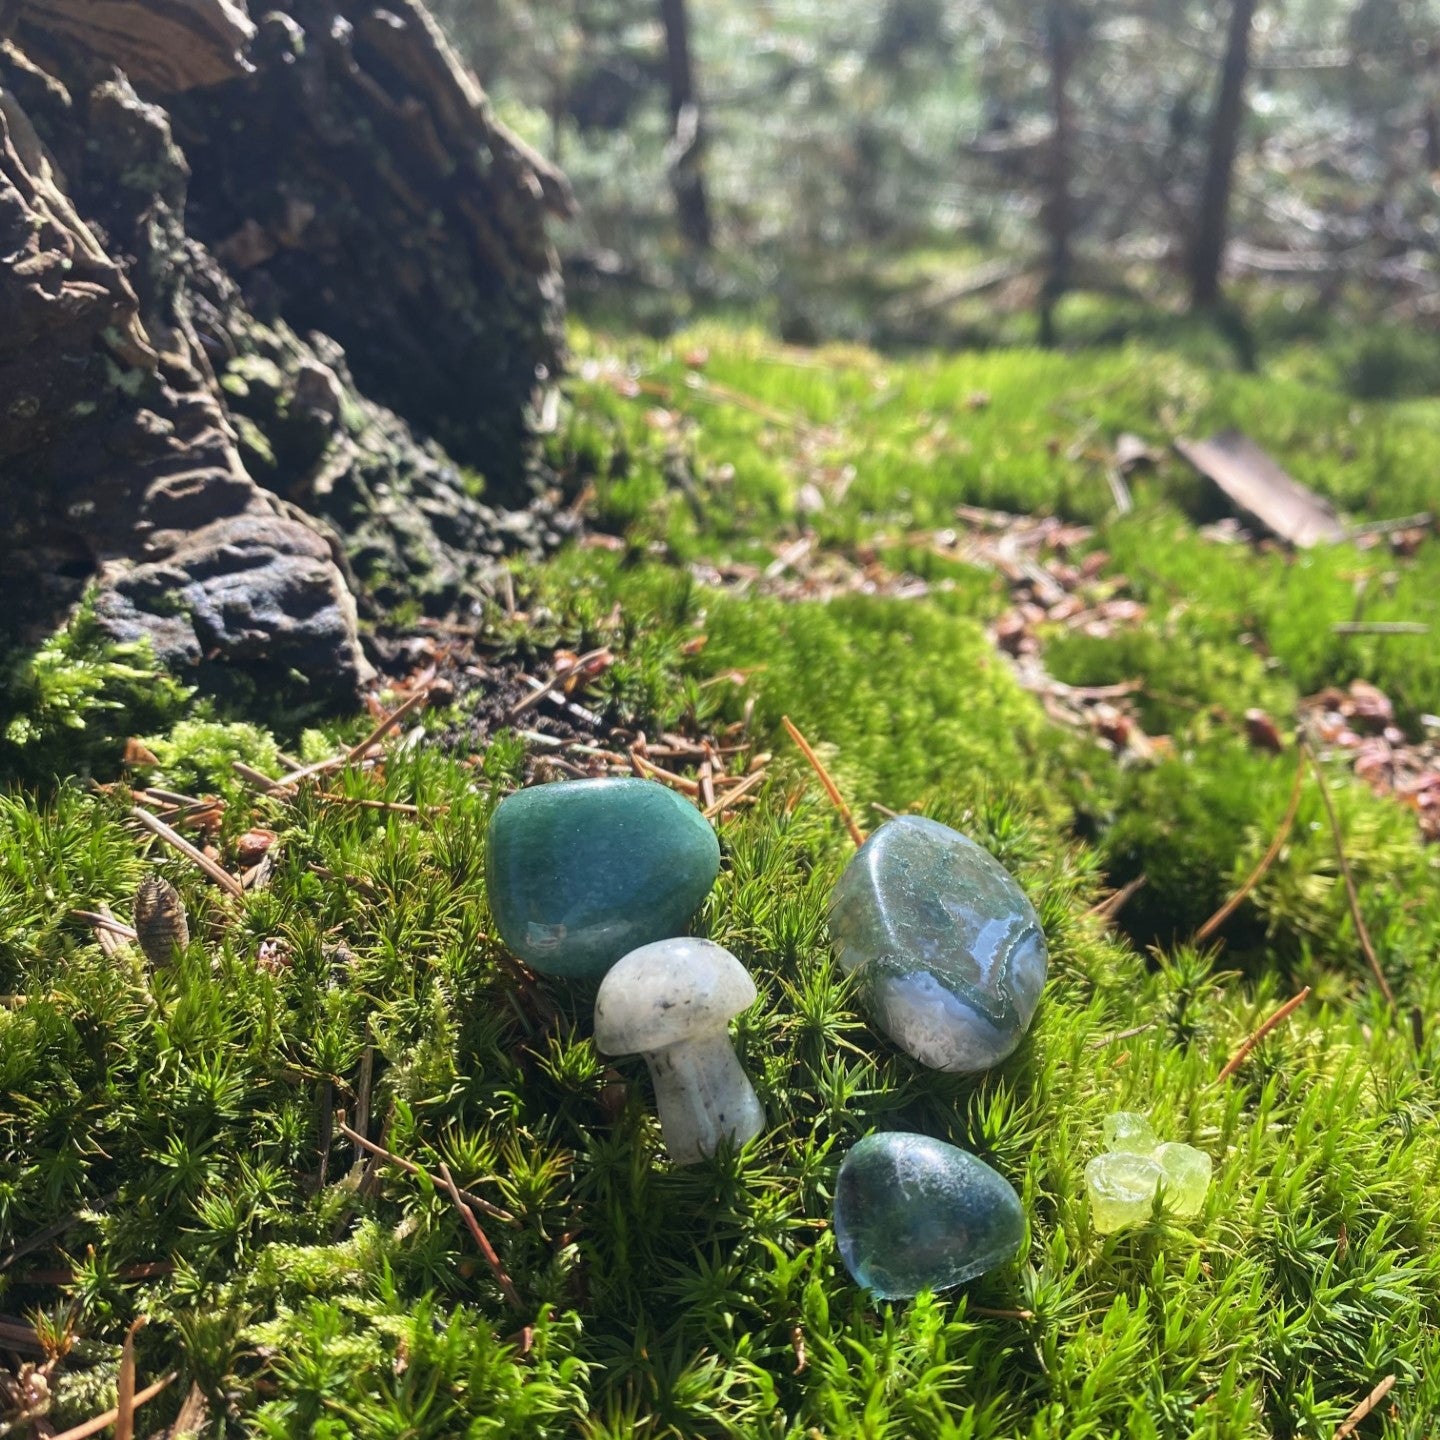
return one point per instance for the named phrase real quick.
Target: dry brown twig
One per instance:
(395, 807)
(1351, 893)
(1275, 1018)
(502, 1278)
(831, 789)
(112, 1417)
(411, 1168)
(125, 1398)
(1266, 860)
(546, 687)
(1351, 1422)
(1119, 1035)
(223, 878)
(1108, 908)
(735, 794)
(351, 756)
(648, 770)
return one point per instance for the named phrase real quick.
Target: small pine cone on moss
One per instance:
(160, 924)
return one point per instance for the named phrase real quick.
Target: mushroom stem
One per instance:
(703, 1096)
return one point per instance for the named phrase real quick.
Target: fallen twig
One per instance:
(411, 1168)
(1266, 860)
(257, 778)
(1379, 627)
(356, 752)
(110, 1417)
(1265, 1027)
(1108, 908)
(738, 792)
(397, 807)
(1351, 1422)
(1119, 1035)
(194, 1413)
(220, 876)
(414, 702)
(544, 687)
(831, 789)
(1351, 894)
(647, 769)
(125, 1387)
(502, 1278)
(103, 921)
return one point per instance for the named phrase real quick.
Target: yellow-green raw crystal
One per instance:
(1122, 1189)
(1129, 1132)
(1123, 1180)
(1187, 1177)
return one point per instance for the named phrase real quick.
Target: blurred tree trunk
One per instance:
(687, 139)
(1207, 255)
(1060, 45)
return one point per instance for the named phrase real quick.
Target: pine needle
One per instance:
(111, 1417)
(223, 878)
(1265, 1027)
(1351, 894)
(1351, 1422)
(502, 1277)
(125, 1398)
(1108, 908)
(411, 1168)
(1266, 860)
(831, 789)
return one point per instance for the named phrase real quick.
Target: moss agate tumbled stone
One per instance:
(948, 947)
(580, 872)
(912, 1214)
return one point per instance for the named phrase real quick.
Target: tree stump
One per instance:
(238, 261)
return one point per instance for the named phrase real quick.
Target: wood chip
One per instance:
(1258, 487)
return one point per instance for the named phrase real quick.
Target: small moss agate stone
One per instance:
(949, 948)
(912, 1213)
(580, 872)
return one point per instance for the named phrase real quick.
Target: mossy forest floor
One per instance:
(770, 535)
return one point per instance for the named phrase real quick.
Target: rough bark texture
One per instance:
(182, 273)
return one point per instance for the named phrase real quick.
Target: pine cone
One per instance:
(160, 924)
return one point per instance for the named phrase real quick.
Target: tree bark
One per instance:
(687, 136)
(206, 276)
(1207, 254)
(1060, 43)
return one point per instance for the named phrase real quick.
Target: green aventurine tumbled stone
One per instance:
(912, 1213)
(949, 949)
(581, 872)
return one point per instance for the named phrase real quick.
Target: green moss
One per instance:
(70, 704)
(659, 1301)
(196, 756)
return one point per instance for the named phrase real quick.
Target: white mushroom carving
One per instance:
(672, 1003)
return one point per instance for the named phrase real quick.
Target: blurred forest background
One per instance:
(964, 171)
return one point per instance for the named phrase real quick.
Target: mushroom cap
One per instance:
(669, 991)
